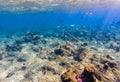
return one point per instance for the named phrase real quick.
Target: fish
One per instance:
(60, 20)
(118, 22)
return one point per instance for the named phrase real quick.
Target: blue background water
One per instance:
(28, 19)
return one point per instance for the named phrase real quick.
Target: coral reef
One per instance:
(97, 68)
(67, 58)
(67, 49)
(89, 74)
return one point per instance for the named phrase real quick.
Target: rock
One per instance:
(23, 68)
(90, 74)
(84, 44)
(49, 69)
(32, 37)
(44, 41)
(36, 49)
(112, 64)
(80, 54)
(28, 75)
(97, 68)
(67, 49)
(14, 47)
(1, 57)
(64, 64)
(21, 59)
(69, 76)
(109, 57)
(115, 47)
(80, 57)
(58, 51)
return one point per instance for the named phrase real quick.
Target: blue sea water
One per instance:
(29, 19)
(18, 22)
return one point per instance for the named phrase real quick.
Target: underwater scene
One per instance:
(59, 40)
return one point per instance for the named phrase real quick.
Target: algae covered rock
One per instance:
(115, 47)
(89, 74)
(58, 51)
(63, 50)
(14, 47)
(97, 68)
(69, 76)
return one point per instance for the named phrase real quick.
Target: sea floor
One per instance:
(45, 56)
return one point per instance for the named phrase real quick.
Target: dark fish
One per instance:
(60, 20)
(118, 22)
(7, 36)
(112, 24)
(115, 23)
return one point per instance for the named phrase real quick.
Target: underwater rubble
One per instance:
(92, 67)
(69, 58)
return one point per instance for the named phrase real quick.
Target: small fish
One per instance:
(118, 22)
(7, 36)
(60, 20)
